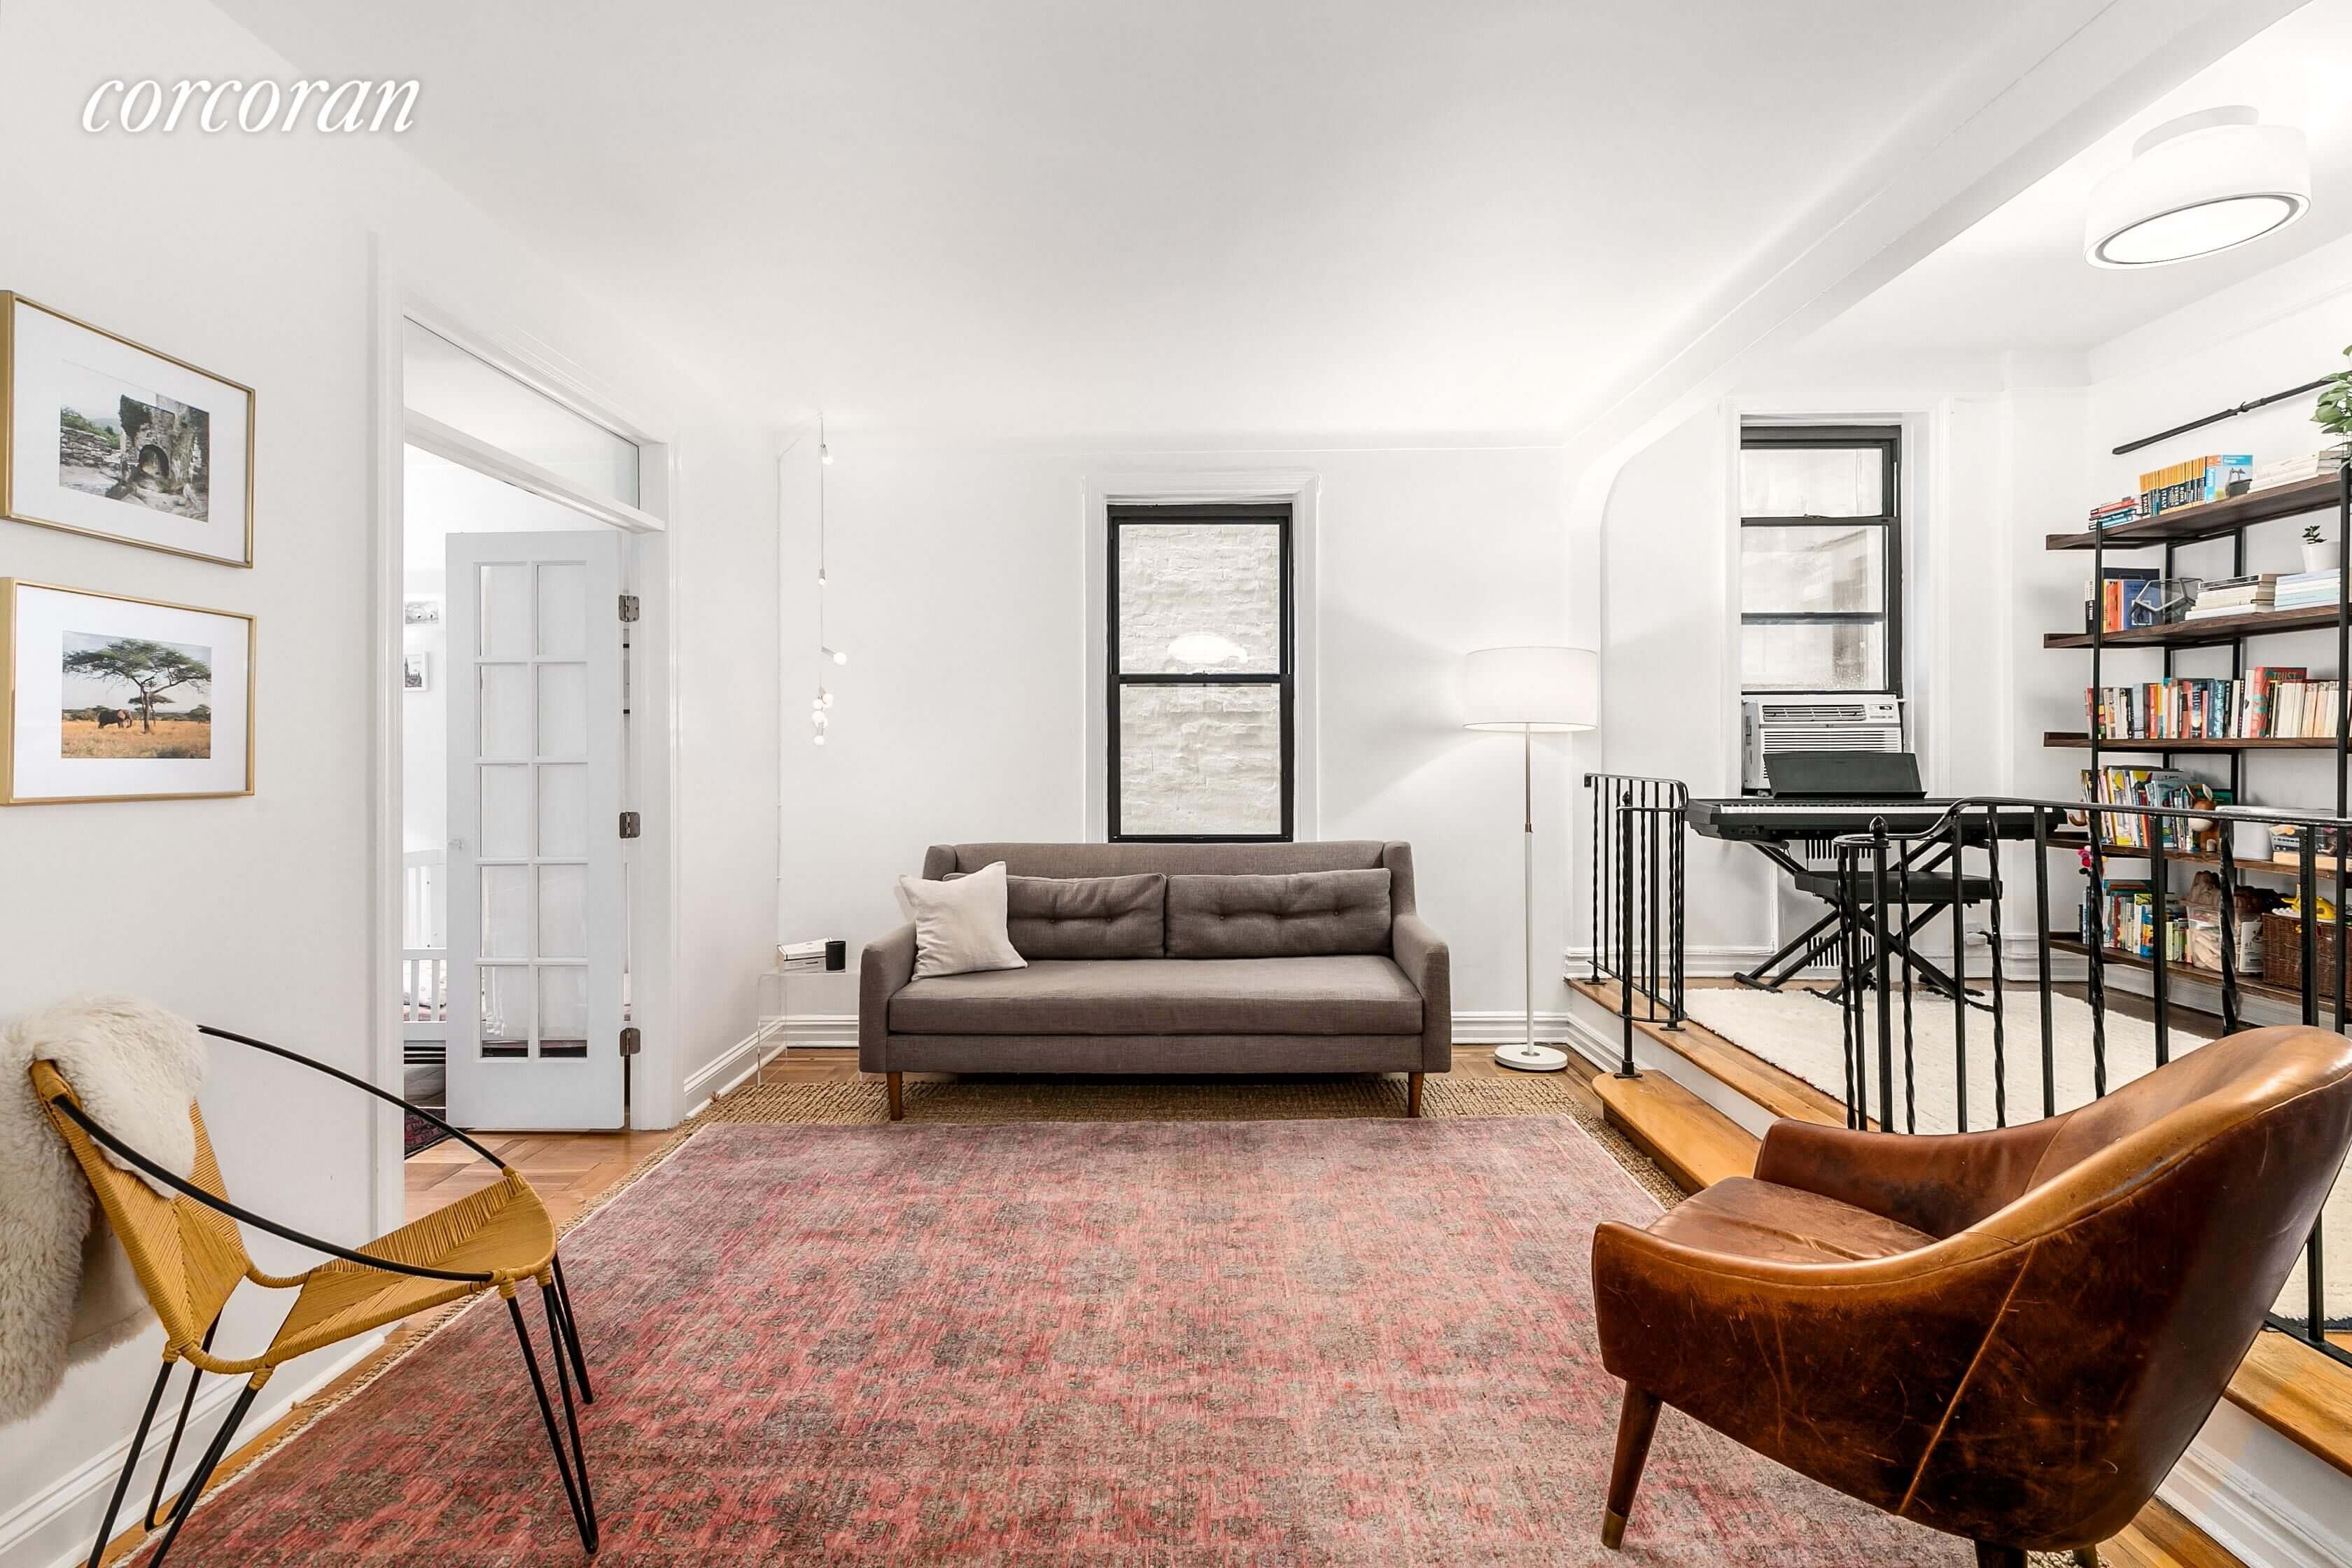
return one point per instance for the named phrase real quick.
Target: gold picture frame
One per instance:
(26, 754)
(148, 513)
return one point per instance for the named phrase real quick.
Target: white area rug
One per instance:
(1800, 1033)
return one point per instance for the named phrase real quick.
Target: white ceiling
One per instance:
(1133, 217)
(2017, 280)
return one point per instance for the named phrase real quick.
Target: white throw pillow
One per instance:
(960, 924)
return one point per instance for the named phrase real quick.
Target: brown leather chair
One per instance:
(2010, 1335)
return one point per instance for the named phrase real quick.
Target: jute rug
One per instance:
(1314, 1342)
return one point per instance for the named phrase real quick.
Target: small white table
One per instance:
(772, 1019)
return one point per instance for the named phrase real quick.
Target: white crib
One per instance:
(424, 956)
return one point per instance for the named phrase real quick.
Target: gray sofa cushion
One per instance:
(1088, 917)
(1304, 914)
(1344, 995)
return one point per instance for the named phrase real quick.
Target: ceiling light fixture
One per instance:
(2202, 182)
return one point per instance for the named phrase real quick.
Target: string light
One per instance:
(824, 697)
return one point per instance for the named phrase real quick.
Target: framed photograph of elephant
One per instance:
(105, 437)
(110, 698)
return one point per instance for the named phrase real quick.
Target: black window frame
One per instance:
(1888, 440)
(1286, 677)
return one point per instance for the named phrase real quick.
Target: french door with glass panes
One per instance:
(537, 914)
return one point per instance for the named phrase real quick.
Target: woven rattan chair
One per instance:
(190, 1256)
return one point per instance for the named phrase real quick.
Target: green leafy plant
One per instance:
(2333, 414)
(2311, 535)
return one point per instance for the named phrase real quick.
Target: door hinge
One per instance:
(629, 1041)
(628, 607)
(630, 825)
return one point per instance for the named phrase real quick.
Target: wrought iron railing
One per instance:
(1883, 1013)
(1637, 897)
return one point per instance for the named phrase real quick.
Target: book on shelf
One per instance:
(2123, 593)
(2295, 471)
(2194, 481)
(2268, 703)
(2108, 514)
(2163, 788)
(796, 957)
(2306, 590)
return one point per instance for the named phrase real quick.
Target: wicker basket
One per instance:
(2282, 952)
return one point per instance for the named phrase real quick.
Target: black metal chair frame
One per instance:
(562, 1333)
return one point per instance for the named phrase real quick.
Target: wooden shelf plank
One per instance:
(2243, 866)
(2252, 985)
(2204, 634)
(2188, 524)
(1697, 1144)
(2082, 742)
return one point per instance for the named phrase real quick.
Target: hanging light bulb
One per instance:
(818, 737)
(824, 453)
(824, 698)
(820, 577)
(816, 717)
(834, 654)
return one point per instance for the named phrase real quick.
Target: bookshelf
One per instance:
(2227, 519)
(2143, 745)
(2214, 520)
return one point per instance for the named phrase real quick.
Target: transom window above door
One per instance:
(1201, 673)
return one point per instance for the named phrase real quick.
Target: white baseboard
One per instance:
(1494, 1029)
(2264, 1498)
(52, 1529)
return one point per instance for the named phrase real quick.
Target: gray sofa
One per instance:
(1175, 958)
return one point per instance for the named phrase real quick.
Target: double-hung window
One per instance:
(1820, 560)
(1201, 673)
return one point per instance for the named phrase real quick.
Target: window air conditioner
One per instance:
(1830, 723)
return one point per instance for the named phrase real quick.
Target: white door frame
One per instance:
(652, 787)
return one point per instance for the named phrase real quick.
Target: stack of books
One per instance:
(2194, 481)
(2107, 514)
(2295, 470)
(2247, 595)
(2305, 591)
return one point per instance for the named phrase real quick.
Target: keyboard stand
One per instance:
(1820, 939)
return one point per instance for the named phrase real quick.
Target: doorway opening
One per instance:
(525, 857)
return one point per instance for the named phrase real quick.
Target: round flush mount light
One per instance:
(2196, 185)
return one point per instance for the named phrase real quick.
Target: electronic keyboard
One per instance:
(1813, 821)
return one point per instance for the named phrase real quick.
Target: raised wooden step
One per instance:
(1697, 1144)
(1781, 1093)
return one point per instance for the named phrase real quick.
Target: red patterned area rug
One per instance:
(1293, 1344)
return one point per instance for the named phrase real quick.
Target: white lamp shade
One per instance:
(1550, 689)
(2196, 185)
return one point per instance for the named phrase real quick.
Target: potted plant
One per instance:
(2319, 554)
(2333, 414)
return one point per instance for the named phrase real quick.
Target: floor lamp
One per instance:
(1530, 690)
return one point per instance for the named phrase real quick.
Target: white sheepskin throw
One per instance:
(67, 1291)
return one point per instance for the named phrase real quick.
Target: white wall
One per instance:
(957, 590)
(1986, 445)
(255, 912)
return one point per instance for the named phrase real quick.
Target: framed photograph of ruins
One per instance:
(108, 697)
(102, 435)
